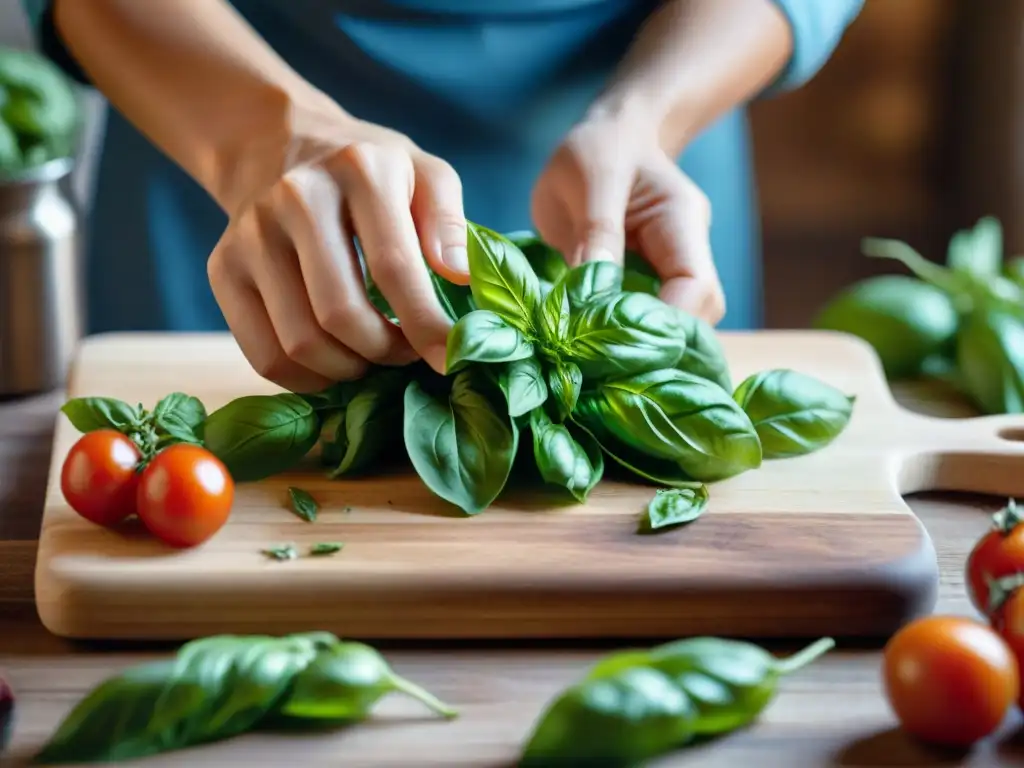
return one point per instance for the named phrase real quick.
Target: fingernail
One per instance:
(456, 257)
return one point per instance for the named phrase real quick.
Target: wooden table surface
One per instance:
(831, 714)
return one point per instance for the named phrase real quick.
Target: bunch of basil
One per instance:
(962, 321)
(39, 111)
(587, 361)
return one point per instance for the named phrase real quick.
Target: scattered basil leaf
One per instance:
(88, 414)
(325, 548)
(303, 504)
(501, 278)
(222, 686)
(672, 507)
(684, 419)
(634, 706)
(704, 355)
(460, 442)
(346, 680)
(794, 414)
(281, 552)
(257, 436)
(524, 386)
(620, 334)
(570, 461)
(565, 380)
(484, 337)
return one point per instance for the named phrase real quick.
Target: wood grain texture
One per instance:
(818, 545)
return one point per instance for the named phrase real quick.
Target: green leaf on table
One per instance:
(303, 504)
(323, 548)
(672, 507)
(524, 386)
(180, 417)
(565, 380)
(568, 460)
(88, 414)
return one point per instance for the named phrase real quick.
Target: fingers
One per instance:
(600, 224)
(243, 309)
(379, 182)
(673, 231)
(439, 218)
(309, 205)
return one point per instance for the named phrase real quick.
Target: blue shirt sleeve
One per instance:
(818, 26)
(40, 16)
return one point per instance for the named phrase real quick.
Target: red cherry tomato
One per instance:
(1009, 621)
(998, 553)
(99, 476)
(185, 495)
(950, 680)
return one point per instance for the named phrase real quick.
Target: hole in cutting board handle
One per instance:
(1012, 434)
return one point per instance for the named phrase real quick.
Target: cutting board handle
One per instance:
(977, 455)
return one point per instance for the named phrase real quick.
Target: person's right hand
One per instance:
(286, 272)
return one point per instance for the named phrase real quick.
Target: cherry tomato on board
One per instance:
(185, 495)
(1000, 552)
(99, 476)
(949, 680)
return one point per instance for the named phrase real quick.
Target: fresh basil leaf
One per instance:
(303, 504)
(455, 300)
(180, 416)
(554, 315)
(523, 383)
(461, 443)
(371, 420)
(484, 337)
(990, 359)
(501, 278)
(638, 276)
(650, 468)
(678, 417)
(672, 507)
(1014, 270)
(704, 355)
(257, 436)
(346, 680)
(548, 264)
(620, 334)
(573, 462)
(590, 281)
(794, 414)
(281, 552)
(977, 251)
(88, 414)
(625, 719)
(323, 548)
(565, 379)
(215, 688)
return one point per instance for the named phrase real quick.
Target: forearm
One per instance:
(197, 81)
(694, 60)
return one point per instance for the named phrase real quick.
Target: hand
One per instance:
(287, 276)
(609, 187)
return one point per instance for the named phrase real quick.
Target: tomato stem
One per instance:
(806, 656)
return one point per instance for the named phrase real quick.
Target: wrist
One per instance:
(280, 129)
(642, 116)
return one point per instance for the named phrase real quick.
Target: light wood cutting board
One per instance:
(822, 544)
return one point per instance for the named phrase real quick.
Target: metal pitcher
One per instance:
(41, 302)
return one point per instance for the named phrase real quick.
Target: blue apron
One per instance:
(489, 85)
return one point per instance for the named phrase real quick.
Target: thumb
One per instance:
(599, 222)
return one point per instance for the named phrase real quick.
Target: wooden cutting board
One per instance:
(822, 544)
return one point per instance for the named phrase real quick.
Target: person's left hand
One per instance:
(608, 187)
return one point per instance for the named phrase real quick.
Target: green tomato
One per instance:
(904, 319)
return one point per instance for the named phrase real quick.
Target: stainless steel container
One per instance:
(41, 302)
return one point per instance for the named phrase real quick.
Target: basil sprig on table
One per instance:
(585, 368)
(637, 705)
(222, 686)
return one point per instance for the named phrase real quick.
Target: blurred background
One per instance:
(913, 129)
